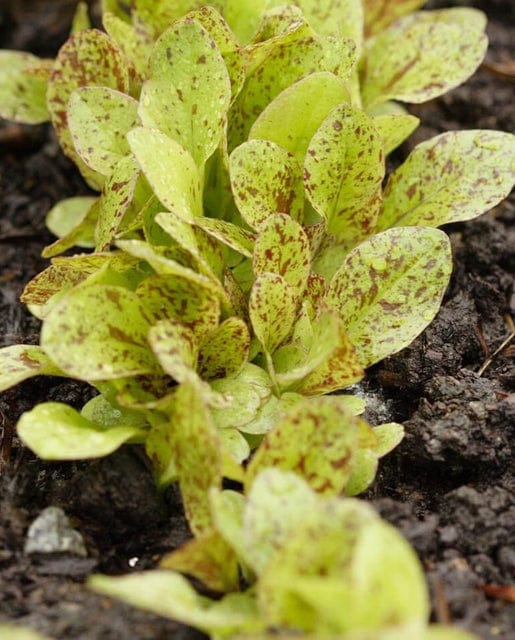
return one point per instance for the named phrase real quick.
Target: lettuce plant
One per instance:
(249, 255)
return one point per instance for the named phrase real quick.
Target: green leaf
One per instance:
(229, 234)
(88, 58)
(134, 44)
(265, 180)
(272, 309)
(98, 333)
(170, 170)
(388, 435)
(189, 91)
(99, 119)
(55, 431)
(154, 16)
(389, 288)
(176, 349)
(380, 13)
(292, 118)
(81, 234)
(343, 171)
(19, 362)
(394, 128)
(68, 214)
(197, 454)
(277, 504)
(172, 297)
(244, 18)
(287, 63)
(114, 203)
(422, 56)
(316, 438)
(107, 414)
(452, 177)
(363, 471)
(335, 17)
(209, 559)
(22, 94)
(282, 247)
(224, 352)
(15, 632)
(169, 594)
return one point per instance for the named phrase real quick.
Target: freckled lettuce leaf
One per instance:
(22, 94)
(225, 350)
(394, 128)
(68, 214)
(272, 308)
(282, 247)
(189, 90)
(455, 176)
(98, 333)
(19, 362)
(55, 431)
(316, 439)
(380, 13)
(88, 58)
(265, 179)
(292, 118)
(343, 170)
(389, 288)
(99, 119)
(422, 55)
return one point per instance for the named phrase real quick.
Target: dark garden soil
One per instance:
(449, 486)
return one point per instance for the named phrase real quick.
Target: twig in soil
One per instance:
(501, 592)
(500, 348)
(19, 235)
(442, 613)
(504, 70)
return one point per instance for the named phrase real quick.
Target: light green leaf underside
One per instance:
(68, 214)
(421, 56)
(14, 632)
(99, 119)
(292, 118)
(19, 362)
(170, 170)
(169, 594)
(98, 333)
(394, 129)
(22, 94)
(452, 177)
(55, 431)
(343, 170)
(265, 180)
(389, 288)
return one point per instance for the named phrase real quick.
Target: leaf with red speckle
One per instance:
(265, 180)
(188, 93)
(99, 119)
(292, 118)
(455, 176)
(224, 352)
(19, 362)
(272, 309)
(282, 247)
(423, 55)
(197, 454)
(88, 58)
(22, 94)
(98, 332)
(316, 438)
(343, 170)
(68, 214)
(227, 233)
(115, 201)
(287, 63)
(389, 288)
(394, 128)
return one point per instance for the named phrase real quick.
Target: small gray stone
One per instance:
(51, 533)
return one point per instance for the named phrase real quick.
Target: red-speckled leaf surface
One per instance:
(389, 288)
(99, 119)
(423, 55)
(455, 176)
(224, 352)
(22, 95)
(282, 247)
(343, 169)
(98, 333)
(380, 13)
(272, 309)
(21, 361)
(316, 439)
(88, 58)
(265, 179)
